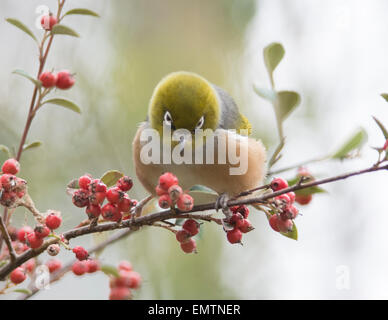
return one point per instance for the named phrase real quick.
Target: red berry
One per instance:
(167, 180)
(185, 202)
(93, 211)
(175, 192)
(97, 198)
(273, 222)
(119, 293)
(189, 246)
(29, 266)
(53, 221)
(79, 268)
(48, 79)
(283, 199)
(48, 22)
(8, 198)
(8, 181)
(33, 241)
(125, 183)
(11, 166)
(191, 226)
(135, 280)
(236, 220)
(110, 212)
(64, 80)
(54, 265)
(303, 199)
(160, 191)
(125, 204)
(41, 231)
(114, 195)
(242, 209)
(125, 265)
(97, 185)
(285, 225)
(80, 253)
(93, 265)
(81, 198)
(291, 195)
(246, 226)
(165, 201)
(278, 184)
(183, 236)
(22, 233)
(234, 236)
(290, 212)
(84, 182)
(18, 275)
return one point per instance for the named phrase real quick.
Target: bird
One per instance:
(186, 101)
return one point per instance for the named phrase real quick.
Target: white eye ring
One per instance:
(167, 118)
(200, 123)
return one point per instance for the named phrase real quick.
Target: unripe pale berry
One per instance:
(278, 184)
(79, 268)
(125, 265)
(80, 253)
(81, 198)
(125, 183)
(183, 236)
(189, 246)
(33, 241)
(191, 226)
(93, 265)
(18, 275)
(54, 265)
(110, 212)
(165, 201)
(175, 192)
(11, 166)
(303, 199)
(53, 249)
(234, 236)
(48, 22)
(84, 182)
(167, 180)
(48, 79)
(185, 202)
(53, 221)
(65, 80)
(22, 233)
(41, 231)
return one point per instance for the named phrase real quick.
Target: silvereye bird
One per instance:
(184, 100)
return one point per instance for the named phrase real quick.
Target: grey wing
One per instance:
(230, 115)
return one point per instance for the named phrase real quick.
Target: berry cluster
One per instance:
(93, 192)
(238, 224)
(171, 194)
(282, 220)
(189, 229)
(81, 267)
(12, 188)
(62, 80)
(120, 287)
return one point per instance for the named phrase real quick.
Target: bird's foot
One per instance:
(222, 203)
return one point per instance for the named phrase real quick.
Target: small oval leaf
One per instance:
(292, 234)
(32, 145)
(110, 270)
(273, 54)
(25, 291)
(63, 103)
(21, 26)
(202, 189)
(266, 94)
(6, 150)
(111, 177)
(82, 11)
(62, 29)
(382, 128)
(287, 102)
(27, 76)
(354, 142)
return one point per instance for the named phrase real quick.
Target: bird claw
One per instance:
(222, 203)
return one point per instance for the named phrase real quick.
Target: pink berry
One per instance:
(119, 293)
(65, 80)
(278, 184)
(175, 192)
(291, 195)
(84, 182)
(234, 236)
(273, 222)
(18, 275)
(29, 265)
(303, 199)
(125, 265)
(48, 22)
(135, 280)
(11, 166)
(53, 221)
(41, 231)
(92, 265)
(79, 268)
(290, 212)
(191, 226)
(54, 265)
(110, 212)
(33, 241)
(22, 233)
(285, 225)
(125, 183)
(183, 236)
(185, 202)
(165, 201)
(48, 79)
(167, 180)
(8, 181)
(189, 246)
(160, 191)
(80, 253)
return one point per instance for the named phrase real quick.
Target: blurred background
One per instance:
(336, 58)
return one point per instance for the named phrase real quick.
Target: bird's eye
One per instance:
(167, 118)
(200, 123)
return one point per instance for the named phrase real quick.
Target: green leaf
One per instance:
(310, 190)
(273, 54)
(202, 189)
(25, 291)
(382, 128)
(287, 102)
(64, 103)
(266, 94)
(385, 96)
(110, 270)
(61, 29)
(22, 27)
(27, 76)
(32, 145)
(111, 177)
(6, 150)
(82, 11)
(293, 234)
(354, 142)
